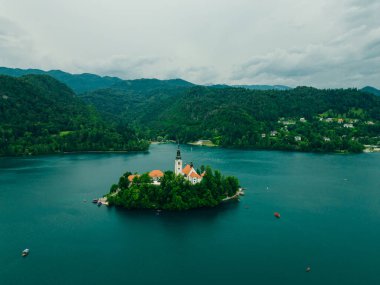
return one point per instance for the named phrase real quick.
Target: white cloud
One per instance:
(321, 43)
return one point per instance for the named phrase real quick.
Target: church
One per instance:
(188, 171)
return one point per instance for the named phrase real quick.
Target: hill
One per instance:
(79, 83)
(304, 118)
(371, 90)
(263, 87)
(39, 114)
(131, 98)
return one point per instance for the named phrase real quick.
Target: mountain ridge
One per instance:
(39, 115)
(78, 82)
(87, 82)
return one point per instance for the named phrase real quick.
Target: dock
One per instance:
(240, 192)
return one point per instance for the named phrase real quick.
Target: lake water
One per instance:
(329, 206)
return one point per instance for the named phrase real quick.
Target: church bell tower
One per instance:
(178, 163)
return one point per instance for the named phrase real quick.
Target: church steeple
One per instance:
(178, 163)
(178, 153)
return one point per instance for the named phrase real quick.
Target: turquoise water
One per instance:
(329, 205)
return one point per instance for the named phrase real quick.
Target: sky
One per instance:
(320, 43)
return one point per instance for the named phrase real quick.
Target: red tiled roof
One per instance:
(156, 173)
(131, 177)
(194, 175)
(187, 169)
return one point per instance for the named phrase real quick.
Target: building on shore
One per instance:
(188, 171)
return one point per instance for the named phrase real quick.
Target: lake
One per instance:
(329, 206)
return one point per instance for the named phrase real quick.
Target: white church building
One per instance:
(188, 171)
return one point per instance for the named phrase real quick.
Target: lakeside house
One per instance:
(156, 176)
(303, 120)
(273, 133)
(350, 126)
(188, 171)
(132, 176)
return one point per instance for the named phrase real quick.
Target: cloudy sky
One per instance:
(322, 43)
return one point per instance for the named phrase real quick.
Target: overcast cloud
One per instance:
(323, 43)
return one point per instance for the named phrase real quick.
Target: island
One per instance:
(185, 188)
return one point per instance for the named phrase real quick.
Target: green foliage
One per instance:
(38, 115)
(238, 117)
(174, 192)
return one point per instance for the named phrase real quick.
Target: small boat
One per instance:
(95, 201)
(25, 252)
(277, 215)
(99, 203)
(308, 269)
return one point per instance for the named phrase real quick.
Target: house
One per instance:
(329, 120)
(273, 133)
(131, 177)
(350, 126)
(188, 171)
(297, 138)
(340, 121)
(263, 135)
(326, 139)
(156, 175)
(303, 120)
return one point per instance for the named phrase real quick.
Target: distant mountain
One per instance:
(150, 84)
(39, 114)
(80, 83)
(371, 90)
(264, 87)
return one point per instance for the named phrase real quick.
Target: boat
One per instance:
(95, 201)
(308, 269)
(99, 203)
(25, 252)
(277, 215)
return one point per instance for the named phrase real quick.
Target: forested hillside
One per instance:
(46, 113)
(39, 114)
(79, 83)
(305, 119)
(130, 99)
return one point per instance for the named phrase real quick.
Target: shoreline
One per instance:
(101, 151)
(367, 149)
(207, 143)
(371, 148)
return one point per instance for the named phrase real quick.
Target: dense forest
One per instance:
(174, 192)
(302, 119)
(121, 111)
(39, 114)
